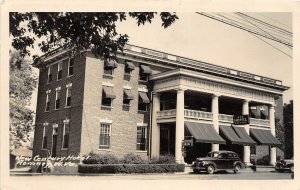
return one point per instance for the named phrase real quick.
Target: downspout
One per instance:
(150, 126)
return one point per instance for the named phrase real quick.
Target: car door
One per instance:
(222, 161)
(230, 160)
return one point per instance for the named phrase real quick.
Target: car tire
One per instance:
(237, 168)
(210, 169)
(292, 169)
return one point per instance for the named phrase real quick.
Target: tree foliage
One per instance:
(22, 82)
(95, 31)
(289, 129)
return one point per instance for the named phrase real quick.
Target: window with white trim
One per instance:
(68, 97)
(59, 70)
(57, 99)
(49, 79)
(44, 143)
(65, 141)
(141, 138)
(70, 67)
(47, 107)
(105, 136)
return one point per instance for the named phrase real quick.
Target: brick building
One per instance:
(147, 102)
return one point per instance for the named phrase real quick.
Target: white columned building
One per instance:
(179, 137)
(215, 119)
(155, 141)
(245, 111)
(272, 126)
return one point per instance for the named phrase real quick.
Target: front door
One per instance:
(164, 141)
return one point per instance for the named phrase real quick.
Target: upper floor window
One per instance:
(145, 71)
(44, 143)
(70, 67)
(143, 102)
(127, 97)
(59, 70)
(108, 95)
(109, 66)
(49, 79)
(57, 98)
(47, 107)
(141, 138)
(105, 135)
(129, 67)
(65, 141)
(68, 95)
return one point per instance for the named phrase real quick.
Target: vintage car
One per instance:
(218, 160)
(285, 165)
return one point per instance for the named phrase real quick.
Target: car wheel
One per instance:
(237, 169)
(210, 169)
(292, 169)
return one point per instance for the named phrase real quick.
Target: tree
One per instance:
(289, 129)
(22, 82)
(95, 31)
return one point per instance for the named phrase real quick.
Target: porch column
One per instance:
(272, 126)
(155, 132)
(215, 112)
(246, 155)
(179, 125)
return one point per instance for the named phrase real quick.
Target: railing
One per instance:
(260, 122)
(195, 114)
(166, 114)
(226, 118)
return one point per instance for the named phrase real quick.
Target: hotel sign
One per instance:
(241, 119)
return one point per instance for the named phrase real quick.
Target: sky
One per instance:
(204, 39)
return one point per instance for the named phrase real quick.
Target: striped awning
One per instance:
(146, 69)
(128, 94)
(109, 92)
(264, 137)
(244, 137)
(204, 133)
(228, 133)
(144, 97)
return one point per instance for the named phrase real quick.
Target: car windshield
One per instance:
(213, 155)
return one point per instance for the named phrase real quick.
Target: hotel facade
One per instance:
(148, 103)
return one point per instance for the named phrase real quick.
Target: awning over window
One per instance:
(130, 65)
(264, 137)
(111, 63)
(244, 137)
(146, 69)
(255, 111)
(128, 94)
(109, 92)
(144, 97)
(204, 133)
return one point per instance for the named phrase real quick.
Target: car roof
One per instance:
(223, 151)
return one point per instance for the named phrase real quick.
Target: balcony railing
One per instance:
(166, 114)
(260, 122)
(226, 118)
(195, 114)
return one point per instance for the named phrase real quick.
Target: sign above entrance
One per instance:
(241, 119)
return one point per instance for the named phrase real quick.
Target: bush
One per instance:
(93, 159)
(264, 160)
(131, 168)
(164, 159)
(133, 159)
(101, 159)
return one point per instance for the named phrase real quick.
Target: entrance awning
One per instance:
(264, 137)
(204, 133)
(244, 137)
(230, 134)
(109, 92)
(144, 97)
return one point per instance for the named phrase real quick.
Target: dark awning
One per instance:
(255, 111)
(130, 65)
(128, 94)
(264, 137)
(146, 69)
(109, 92)
(111, 63)
(144, 97)
(230, 134)
(204, 132)
(244, 137)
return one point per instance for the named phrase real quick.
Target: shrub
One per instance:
(133, 159)
(93, 159)
(101, 159)
(264, 160)
(164, 159)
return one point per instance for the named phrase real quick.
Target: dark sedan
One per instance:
(285, 165)
(218, 160)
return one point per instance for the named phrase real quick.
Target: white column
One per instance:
(272, 126)
(215, 112)
(179, 126)
(246, 155)
(155, 132)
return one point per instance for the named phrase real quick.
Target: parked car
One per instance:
(218, 160)
(285, 165)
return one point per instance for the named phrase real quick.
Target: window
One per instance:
(127, 97)
(49, 75)
(59, 71)
(105, 134)
(108, 95)
(70, 68)
(143, 101)
(65, 141)
(44, 143)
(141, 138)
(129, 66)
(145, 71)
(57, 99)
(68, 97)
(109, 67)
(108, 71)
(47, 101)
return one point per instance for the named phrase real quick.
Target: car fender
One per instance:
(207, 163)
(240, 163)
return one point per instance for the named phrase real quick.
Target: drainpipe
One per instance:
(150, 126)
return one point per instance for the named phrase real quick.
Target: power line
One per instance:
(274, 20)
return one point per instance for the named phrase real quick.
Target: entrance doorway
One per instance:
(164, 141)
